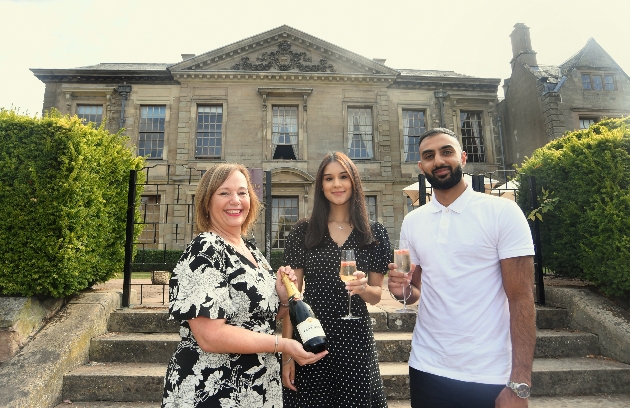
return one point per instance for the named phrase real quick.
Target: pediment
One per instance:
(283, 49)
(292, 176)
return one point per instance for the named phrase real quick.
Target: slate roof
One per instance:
(111, 66)
(429, 72)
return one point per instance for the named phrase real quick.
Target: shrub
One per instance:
(586, 234)
(156, 260)
(63, 204)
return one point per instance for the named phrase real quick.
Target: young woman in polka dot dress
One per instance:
(349, 375)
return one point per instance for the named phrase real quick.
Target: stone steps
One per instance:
(115, 381)
(588, 401)
(391, 346)
(384, 318)
(128, 363)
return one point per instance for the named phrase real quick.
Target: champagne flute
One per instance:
(402, 259)
(346, 273)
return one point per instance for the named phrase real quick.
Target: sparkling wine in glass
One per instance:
(402, 259)
(346, 273)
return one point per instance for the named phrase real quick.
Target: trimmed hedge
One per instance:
(586, 234)
(63, 204)
(155, 260)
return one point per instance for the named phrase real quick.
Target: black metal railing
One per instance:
(167, 222)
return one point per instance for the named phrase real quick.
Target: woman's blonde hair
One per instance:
(210, 183)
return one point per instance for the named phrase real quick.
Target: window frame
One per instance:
(485, 145)
(166, 106)
(87, 104)
(275, 228)
(591, 81)
(297, 133)
(403, 157)
(372, 106)
(196, 131)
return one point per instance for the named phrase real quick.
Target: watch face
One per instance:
(522, 390)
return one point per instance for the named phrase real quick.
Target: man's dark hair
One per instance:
(437, 131)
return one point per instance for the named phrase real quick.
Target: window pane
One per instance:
(370, 203)
(151, 136)
(360, 133)
(472, 136)
(586, 81)
(284, 214)
(585, 123)
(284, 136)
(209, 131)
(608, 83)
(90, 113)
(413, 127)
(597, 82)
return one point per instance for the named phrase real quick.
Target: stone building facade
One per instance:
(542, 102)
(280, 101)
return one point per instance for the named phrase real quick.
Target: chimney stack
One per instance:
(187, 56)
(522, 46)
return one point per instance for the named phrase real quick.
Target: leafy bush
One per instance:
(63, 204)
(586, 234)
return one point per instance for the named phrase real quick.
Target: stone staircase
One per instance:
(128, 363)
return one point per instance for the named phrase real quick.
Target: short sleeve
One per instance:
(295, 249)
(515, 237)
(199, 285)
(380, 253)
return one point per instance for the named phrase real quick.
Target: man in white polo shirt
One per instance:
(473, 342)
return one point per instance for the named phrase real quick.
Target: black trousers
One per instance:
(433, 391)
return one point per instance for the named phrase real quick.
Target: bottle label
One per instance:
(310, 328)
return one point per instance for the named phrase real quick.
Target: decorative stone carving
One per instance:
(284, 60)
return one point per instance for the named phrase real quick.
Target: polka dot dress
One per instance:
(349, 375)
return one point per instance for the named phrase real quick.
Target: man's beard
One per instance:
(445, 183)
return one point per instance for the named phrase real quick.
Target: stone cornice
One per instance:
(283, 77)
(112, 76)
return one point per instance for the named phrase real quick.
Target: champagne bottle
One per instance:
(306, 328)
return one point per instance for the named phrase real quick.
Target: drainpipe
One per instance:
(501, 140)
(124, 91)
(440, 95)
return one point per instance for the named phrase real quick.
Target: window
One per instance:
(360, 133)
(209, 131)
(413, 127)
(609, 85)
(585, 123)
(370, 203)
(284, 134)
(284, 214)
(595, 82)
(151, 138)
(90, 113)
(472, 136)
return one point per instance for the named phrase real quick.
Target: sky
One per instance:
(469, 37)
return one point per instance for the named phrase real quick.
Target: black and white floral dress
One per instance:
(213, 280)
(349, 375)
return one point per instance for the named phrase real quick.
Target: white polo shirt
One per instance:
(462, 330)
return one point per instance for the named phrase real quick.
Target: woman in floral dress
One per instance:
(227, 300)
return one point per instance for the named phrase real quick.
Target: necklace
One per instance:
(340, 226)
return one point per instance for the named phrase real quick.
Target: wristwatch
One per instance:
(521, 389)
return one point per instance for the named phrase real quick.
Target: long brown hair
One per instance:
(318, 223)
(210, 183)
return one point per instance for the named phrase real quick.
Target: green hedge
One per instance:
(155, 260)
(586, 234)
(63, 204)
